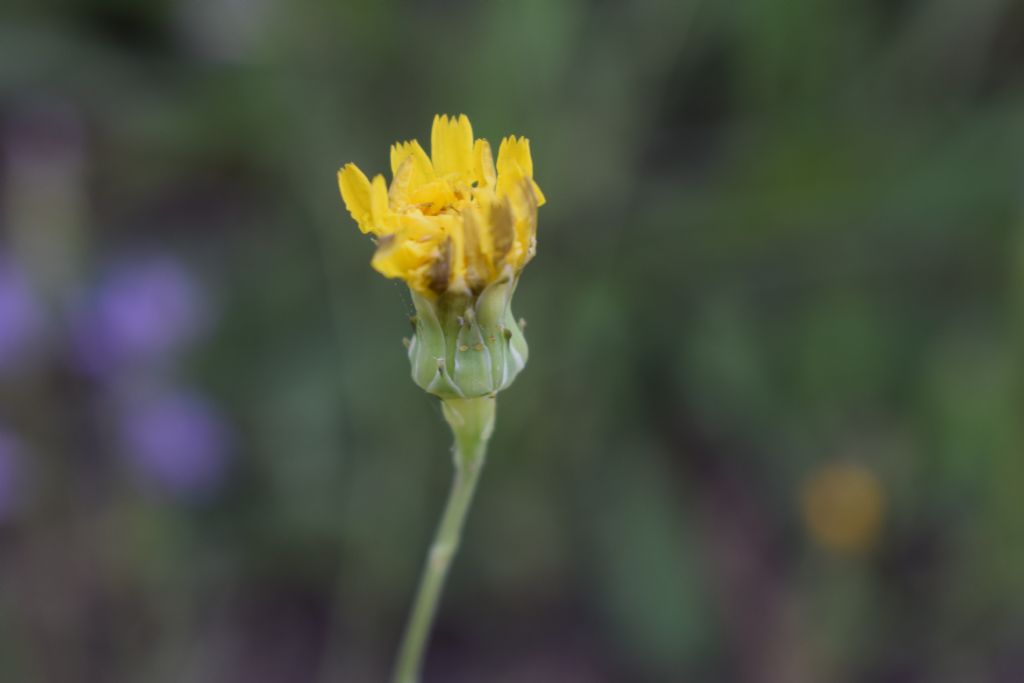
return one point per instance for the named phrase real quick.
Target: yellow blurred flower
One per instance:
(455, 221)
(843, 506)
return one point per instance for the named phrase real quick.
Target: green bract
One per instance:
(467, 346)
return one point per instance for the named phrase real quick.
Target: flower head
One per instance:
(455, 221)
(458, 228)
(178, 442)
(844, 506)
(21, 315)
(12, 475)
(141, 312)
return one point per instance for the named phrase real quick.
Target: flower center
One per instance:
(440, 197)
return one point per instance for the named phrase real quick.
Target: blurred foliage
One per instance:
(779, 236)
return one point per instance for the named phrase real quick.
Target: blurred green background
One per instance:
(772, 428)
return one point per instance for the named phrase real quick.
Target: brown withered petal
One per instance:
(476, 265)
(502, 231)
(440, 270)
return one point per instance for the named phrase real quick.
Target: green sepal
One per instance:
(467, 346)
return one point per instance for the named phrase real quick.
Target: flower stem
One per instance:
(472, 422)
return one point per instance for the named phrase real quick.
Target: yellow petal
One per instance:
(483, 169)
(425, 266)
(419, 228)
(432, 197)
(355, 190)
(385, 222)
(538, 195)
(523, 201)
(514, 164)
(478, 271)
(451, 146)
(397, 256)
(422, 170)
(390, 261)
(452, 227)
(515, 151)
(398, 193)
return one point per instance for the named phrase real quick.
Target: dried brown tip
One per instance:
(440, 270)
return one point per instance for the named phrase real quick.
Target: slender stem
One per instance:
(472, 421)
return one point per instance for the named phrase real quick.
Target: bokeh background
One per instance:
(771, 429)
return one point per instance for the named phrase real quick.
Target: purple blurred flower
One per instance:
(21, 318)
(177, 442)
(11, 479)
(139, 313)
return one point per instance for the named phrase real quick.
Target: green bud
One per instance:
(467, 346)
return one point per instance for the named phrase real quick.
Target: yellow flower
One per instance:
(843, 506)
(454, 221)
